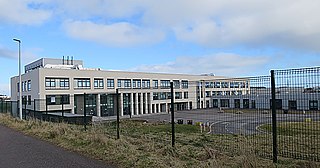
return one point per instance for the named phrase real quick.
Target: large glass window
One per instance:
(178, 95)
(82, 83)
(98, 83)
(185, 95)
(56, 83)
(29, 85)
(217, 84)
(146, 84)
(57, 99)
(64, 83)
(50, 82)
(176, 84)
(165, 84)
(155, 84)
(136, 83)
(184, 84)
(110, 83)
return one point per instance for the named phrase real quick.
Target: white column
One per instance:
(141, 103)
(131, 104)
(71, 104)
(98, 106)
(136, 106)
(150, 103)
(146, 103)
(121, 104)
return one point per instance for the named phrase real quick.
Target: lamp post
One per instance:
(20, 80)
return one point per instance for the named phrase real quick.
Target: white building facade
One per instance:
(59, 84)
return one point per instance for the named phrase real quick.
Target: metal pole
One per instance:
(20, 80)
(84, 112)
(118, 116)
(172, 114)
(274, 118)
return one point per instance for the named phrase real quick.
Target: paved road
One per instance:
(21, 151)
(230, 123)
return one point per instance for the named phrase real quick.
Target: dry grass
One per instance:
(149, 145)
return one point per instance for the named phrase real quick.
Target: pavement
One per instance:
(20, 151)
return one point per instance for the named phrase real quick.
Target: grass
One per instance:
(297, 139)
(149, 144)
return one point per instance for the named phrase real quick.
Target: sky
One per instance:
(226, 38)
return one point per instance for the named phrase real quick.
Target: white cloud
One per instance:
(27, 12)
(213, 23)
(117, 34)
(222, 64)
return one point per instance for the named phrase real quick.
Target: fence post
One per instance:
(274, 118)
(2, 106)
(172, 114)
(25, 109)
(118, 116)
(84, 112)
(34, 108)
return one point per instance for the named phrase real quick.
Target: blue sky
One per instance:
(228, 38)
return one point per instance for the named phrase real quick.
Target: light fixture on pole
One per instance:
(20, 80)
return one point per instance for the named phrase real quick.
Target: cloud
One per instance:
(117, 34)
(26, 12)
(222, 64)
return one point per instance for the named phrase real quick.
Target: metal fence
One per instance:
(297, 95)
(269, 116)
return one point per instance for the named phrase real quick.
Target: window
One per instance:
(29, 99)
(146, 84)
(245, 103)
(18, 87)
(313, 105)
(127, 83)
(209, 84)
(136, 83)
(64, 83)
(56, 83)
(155, 96)
(185, 95)
(124, 83)
(292, 104)
(82, 83)
(178, 95)
(208, 94)
(224, 103)
(50, 82)
(224, 84)
(165, 84)
(98, 83)
(29, 85)
(155, 84)
(110, 83)
(176, 84)
(217, 84)
(57, 99)
(184, 84)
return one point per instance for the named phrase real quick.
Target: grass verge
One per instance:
(149, 145)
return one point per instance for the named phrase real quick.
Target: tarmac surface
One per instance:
(229, 123)
(20, 151)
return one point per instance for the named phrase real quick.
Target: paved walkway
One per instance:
(21, 151)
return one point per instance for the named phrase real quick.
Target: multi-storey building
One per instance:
(56, 82)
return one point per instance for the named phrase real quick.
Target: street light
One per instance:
(20, 80)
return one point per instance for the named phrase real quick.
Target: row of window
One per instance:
(26, 86)
(167, 95)
(226, 84)
(85, 83)
(223, 93)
